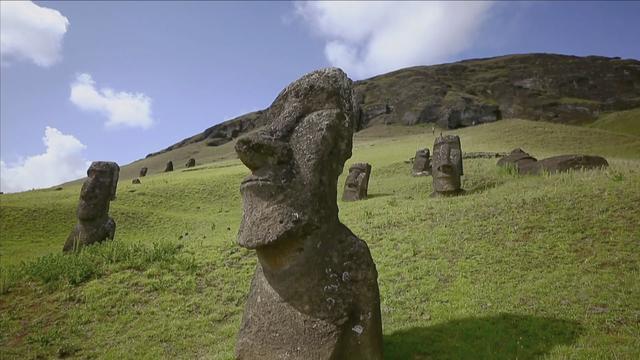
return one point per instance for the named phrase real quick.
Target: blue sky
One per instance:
(84, 81)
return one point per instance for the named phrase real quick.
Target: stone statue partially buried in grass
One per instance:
(421, 163)
(314, 294)
(356, 186)
(94, 224)
(447, 166)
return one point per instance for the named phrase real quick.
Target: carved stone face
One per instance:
(98, 190)
(295, 161)
(357, 183)
(447, 164)
(421, 163)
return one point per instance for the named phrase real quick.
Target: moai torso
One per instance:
(421, 163)
(94, 224)
(143, 172)
(356, 185)
(169, 166)
(314, 294)
(190, 163)
(446, 166)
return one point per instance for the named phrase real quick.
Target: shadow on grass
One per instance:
(372, 196)
(504, 336)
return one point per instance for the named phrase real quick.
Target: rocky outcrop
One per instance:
(548, 87)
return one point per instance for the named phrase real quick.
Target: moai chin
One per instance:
(94, 224)
(447, 166)
(169, 166)
(190, 163)
(357, 183)
(143, 171)
(314, 294)
(421, 163)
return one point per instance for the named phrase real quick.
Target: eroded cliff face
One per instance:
(548, 87)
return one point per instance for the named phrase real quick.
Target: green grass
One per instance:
(624, 122)
(519, 267)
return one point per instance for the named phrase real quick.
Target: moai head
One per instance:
(190, 163)
(421, 163)
(357, 183)
(169, 166)
(98, 190)
(447, 165)
(143, 172)
(296, 159)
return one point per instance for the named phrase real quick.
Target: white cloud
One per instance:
(31, 32)
(62, 161)
(121, 108)
(370, 38)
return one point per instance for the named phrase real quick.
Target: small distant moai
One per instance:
(169, 166)
(191, 163)
(421, 163)
(94, 224)
(447, 166)
(136, 181)
(357, 183)
(314, 294)
(143, 171)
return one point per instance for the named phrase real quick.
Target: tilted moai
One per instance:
(357, 183)
(94, 224)
(143, 171)
(169, 166)
(190, 163)
(447, 166)
(314, 294)
(421, 163)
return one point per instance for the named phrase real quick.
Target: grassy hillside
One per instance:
(519, 267)
(624, 122)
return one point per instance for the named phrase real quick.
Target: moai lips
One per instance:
(314, 294)
(94, 224)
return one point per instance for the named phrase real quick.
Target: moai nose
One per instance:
(260, 150)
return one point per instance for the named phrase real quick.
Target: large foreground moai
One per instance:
(421, 163)
(314, 294)
(356, 185)
(94, 224)
(447, 166)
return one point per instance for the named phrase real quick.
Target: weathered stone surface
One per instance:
(447, 166)
(517, 158)
(94, 224)
(421, 163)
(356, 186)
(143, 171)
(190, 163)
(483, 155)
(169, 166)
(563, 163)
(136, 181)
(314, 294)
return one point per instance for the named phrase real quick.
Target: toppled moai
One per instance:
(169, 166)
(447, 166)
(563, 163)
(94, 224)
(357, 183)
(143, 171)
(314, 294)
(526, 164)
(191, 163)
(421, 163)
(517, 158)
